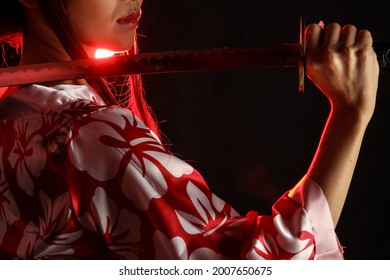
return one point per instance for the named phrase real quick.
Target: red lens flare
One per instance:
(103, 53)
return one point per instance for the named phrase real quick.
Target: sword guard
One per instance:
(302, 62)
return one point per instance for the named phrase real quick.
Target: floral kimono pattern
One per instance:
(83, 180)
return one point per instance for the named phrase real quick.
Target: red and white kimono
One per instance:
(83, 180)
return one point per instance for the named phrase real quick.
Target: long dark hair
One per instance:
(11, 22)
(11, 31)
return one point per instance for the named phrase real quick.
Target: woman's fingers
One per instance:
(332, 35)
(364, 39)
(348, 36)
(313, 36)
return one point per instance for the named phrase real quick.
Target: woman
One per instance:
(83, 178)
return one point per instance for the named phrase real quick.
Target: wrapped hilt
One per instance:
(382, 49)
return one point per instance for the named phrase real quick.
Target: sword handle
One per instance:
(382, 49)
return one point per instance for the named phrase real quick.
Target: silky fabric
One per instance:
(83, 180)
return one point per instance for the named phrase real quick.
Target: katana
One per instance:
(284, 55)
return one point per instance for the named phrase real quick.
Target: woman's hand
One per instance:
(343, 64)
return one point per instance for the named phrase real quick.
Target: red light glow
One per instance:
(102, 53)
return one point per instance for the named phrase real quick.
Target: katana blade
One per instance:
(285, 55)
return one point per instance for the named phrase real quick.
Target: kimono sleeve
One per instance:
(145, 203)
(309, 195)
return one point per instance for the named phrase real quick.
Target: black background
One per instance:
(249, 132)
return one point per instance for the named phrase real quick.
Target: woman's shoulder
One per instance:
(49, 97)
(27, 100)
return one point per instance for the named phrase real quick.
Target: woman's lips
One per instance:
(131, 18)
